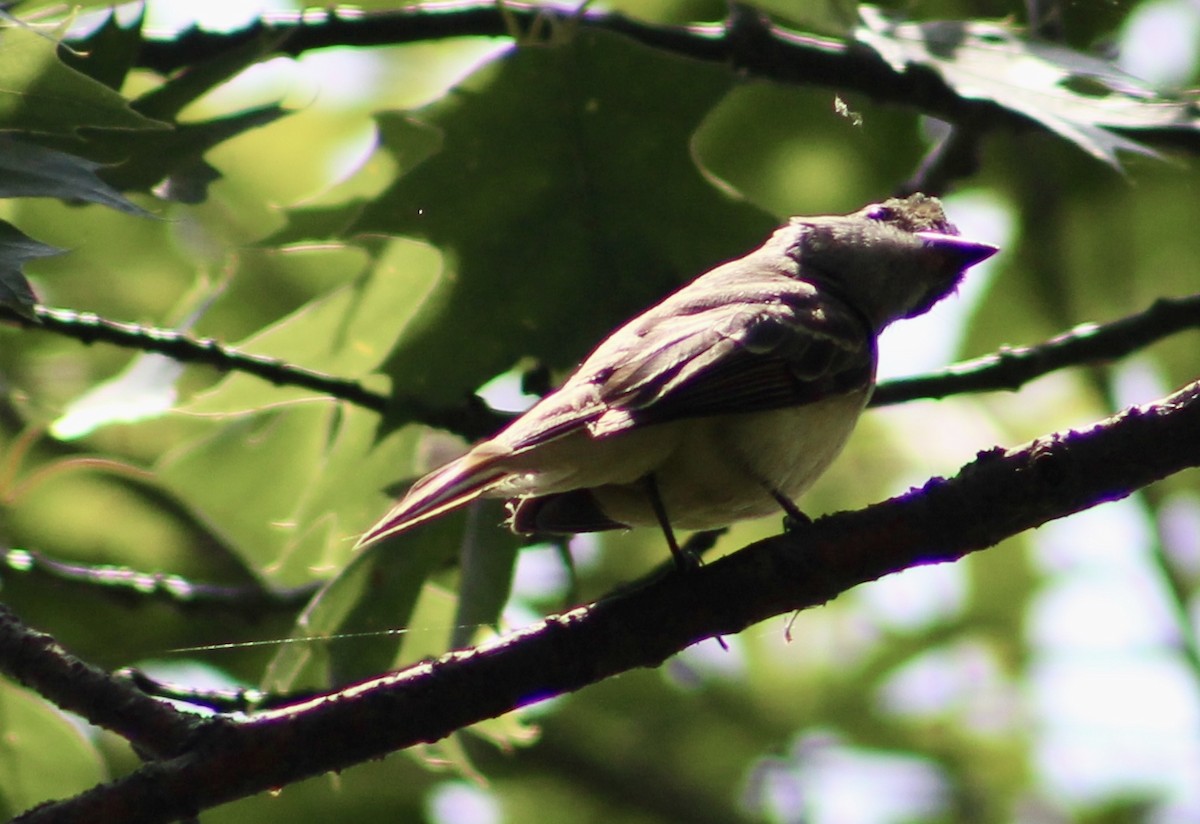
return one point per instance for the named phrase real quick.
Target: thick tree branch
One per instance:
(36, 660)
(1001, 493)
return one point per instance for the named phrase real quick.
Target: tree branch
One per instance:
(127, 584)
(1013, 367)
(953, 156)
(36, 660)
(747, 41)
(472, 419)
(1009, 369)
(88, 328)
(1001, 493)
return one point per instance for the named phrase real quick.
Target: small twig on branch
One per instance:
(238, 701)
(1012, 368)
(1001, 493)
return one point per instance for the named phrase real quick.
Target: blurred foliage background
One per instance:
(455, 216)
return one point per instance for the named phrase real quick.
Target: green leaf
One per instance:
(143, 390)
(264, 463)
(577, 160)
(173, 161)
(39, 93)
(296, 485)
(42, 755)
(833, 17)
(28, 170)
(16, 248)
(1081, 98)
(370, 604)
(165, 102)
(29, 8)
(347, 332)
(489, 556)
(109, 52)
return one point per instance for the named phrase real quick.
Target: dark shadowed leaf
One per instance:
(565, 197)
(28, 170)
(109, 52)
(16, 249)
(488, 558)
(370, 602)
(173, 161)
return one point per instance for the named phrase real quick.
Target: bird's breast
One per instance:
(722, 468)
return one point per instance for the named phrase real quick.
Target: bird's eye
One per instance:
(881, 212)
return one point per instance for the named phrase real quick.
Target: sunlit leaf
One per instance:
(346, 333)
(145, 389)
(298, 485)
(1085, 99)
(264, 464)
(39, 93)
(43, 755)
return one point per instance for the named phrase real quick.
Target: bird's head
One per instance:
(890, 260)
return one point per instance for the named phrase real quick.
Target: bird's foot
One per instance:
(793, 518)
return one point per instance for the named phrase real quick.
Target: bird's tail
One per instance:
(455, 484)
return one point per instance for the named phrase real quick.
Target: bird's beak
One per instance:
(965, 252)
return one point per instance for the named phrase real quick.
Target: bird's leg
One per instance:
(684, 561)
(793, 516)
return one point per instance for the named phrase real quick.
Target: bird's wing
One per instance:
(773, 344)
(778, 344)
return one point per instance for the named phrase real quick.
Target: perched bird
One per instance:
(726, 400)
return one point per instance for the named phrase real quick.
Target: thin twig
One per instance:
(1009, 369)
(230, 702)
(472, 419)
(954, 156)
(131, 585)
(88, 328)
(1012, 368)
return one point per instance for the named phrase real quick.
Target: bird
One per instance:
(724, 401)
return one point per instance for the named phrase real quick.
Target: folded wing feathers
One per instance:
(694, 359)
